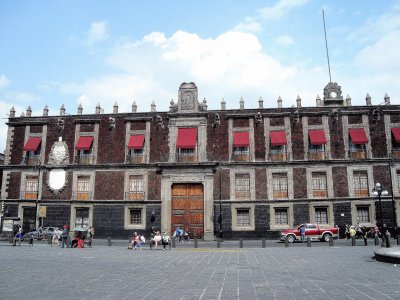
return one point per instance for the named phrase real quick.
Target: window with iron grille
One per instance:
(136, 187)
(281, 216)
(31, 184)
(243, 217)
(82, 217)
(242, 186)
(360, 183)
(319, 186)
(398, 180)
(363, 214)
(83, 188)
(280, 185)
(135, 216)
(321, 215)
(241, 150)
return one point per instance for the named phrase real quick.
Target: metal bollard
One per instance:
(330, 241)
(49, 239)
(218, 243)
(353, 241)
(376, 240)
(383, 240)
(398, 239)
(173, 242)
(263, 242)
(240, 243)
(68, 241)
(388, 241)
(196, 243)
(286, 242)
(109, 241)
(308, 241)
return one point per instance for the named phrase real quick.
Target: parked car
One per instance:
(43, 233)
(314, 231)
(36, 234)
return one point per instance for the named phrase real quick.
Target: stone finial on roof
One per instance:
(298, 101)
(134, 106)
(260, 102)
(279, 101)
(204, 104)
(318, 101)
(98, 108)
(223, 104)
(80, 109)
(368, 99)
(387, 99)
(23, 114)
(348, 100)
(153, 106)
(115, 108)
(241, 102)
(29, 111)
(45, 111)
(62, 110)
(12, 112)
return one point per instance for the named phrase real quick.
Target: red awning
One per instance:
(241, 139)
(84, 143)
(136, 142)
(358, 136)
(317, 137)
(396, 134)
(187, 138)
(32, 144)
(278, 138)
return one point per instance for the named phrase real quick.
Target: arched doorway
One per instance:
(187, 208)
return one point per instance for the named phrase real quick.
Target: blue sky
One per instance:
(89, 52)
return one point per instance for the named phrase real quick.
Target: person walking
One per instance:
(56, 237)
(302, 230)
(90, 236)
(64, 236)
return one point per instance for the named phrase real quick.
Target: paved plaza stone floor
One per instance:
(274, 272)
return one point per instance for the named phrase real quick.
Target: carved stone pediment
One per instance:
(59, 155)
(333, 94)
(187, 98)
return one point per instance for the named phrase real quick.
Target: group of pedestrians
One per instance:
(358, 231)
(156, 239)
(80, 238)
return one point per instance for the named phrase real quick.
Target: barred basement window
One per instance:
(281, 216)
(321, 215)
(243, 217)
(135, 216)
(363, 214)
(242, 186)
(360, 183)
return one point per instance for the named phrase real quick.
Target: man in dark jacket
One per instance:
(64, 236)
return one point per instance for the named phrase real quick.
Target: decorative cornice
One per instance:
(28, 122)
(86, 121)
(137, 119)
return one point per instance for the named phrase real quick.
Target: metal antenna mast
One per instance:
(326, 45)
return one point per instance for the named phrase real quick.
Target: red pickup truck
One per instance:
(312, 230)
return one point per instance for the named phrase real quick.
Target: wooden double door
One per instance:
(187, 208)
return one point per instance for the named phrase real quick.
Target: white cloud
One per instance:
(97, 32)
(280, 8)
(230, 66)
(284, 40)
(4, 81)
(249, 25)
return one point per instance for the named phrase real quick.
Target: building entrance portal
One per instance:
(187, 208)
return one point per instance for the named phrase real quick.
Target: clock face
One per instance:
(333, 94)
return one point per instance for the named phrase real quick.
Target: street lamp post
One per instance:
(379, 191)
(220, 205)
(37, 220)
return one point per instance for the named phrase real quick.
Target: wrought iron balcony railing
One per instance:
(134, 195)
(84, 159)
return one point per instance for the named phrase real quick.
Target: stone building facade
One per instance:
(247, 172)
